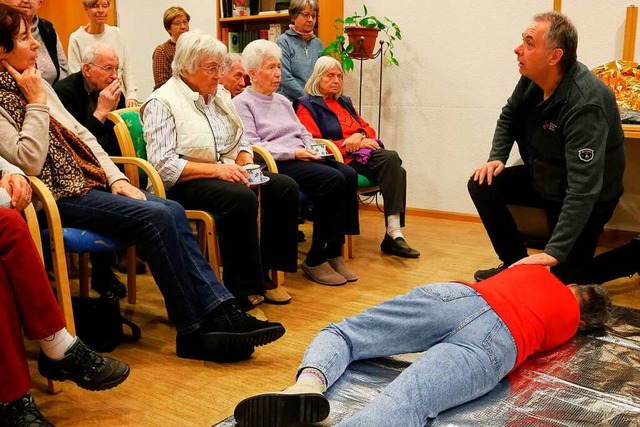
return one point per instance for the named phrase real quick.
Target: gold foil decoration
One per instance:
(623, 77)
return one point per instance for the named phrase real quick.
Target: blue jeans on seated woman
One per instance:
(467, 351)
(162, 233)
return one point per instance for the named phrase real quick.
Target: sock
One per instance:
(312, 375)
(393, 226)
(54, 346)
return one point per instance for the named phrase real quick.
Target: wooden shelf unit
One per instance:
(329, 11)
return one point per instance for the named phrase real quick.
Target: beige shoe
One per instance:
(278, 295)
(323, 274)
(255, 300)
(258, 314)
(340, 266)
(300, 404)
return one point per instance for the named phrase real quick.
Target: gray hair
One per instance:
(191, 47)
(94, 50)
(296, 6)
(595, 306)
(228, 61)
(562, 34)
(256, 52)
(323, 65)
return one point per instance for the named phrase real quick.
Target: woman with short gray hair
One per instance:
(300, 47)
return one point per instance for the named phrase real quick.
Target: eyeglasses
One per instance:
(214, 69)
(179, 23)
(306, 15)
(108, 69)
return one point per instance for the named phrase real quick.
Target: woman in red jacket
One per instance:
(326, 113)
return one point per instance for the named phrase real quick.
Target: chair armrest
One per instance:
(34, 227)
(332, 147)
(116, 115)
(154, 178)
(266, 157)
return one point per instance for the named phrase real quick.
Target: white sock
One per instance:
(56, 345)
(393, 226)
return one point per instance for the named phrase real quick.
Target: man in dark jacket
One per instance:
(567, 126)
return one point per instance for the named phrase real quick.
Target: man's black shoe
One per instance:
(191, 346)
(85, 367)
(398, 247)
(104, 281)
(480, 275)
(22, 412)
(227, 328)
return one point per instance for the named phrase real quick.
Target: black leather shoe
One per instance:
(191, 346)
(106, 281)
(480, 275)
(85, 367)
(21, 413)
(398, 247)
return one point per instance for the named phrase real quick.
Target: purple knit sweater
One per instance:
(269, 121)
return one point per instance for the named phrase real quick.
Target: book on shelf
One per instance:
(234, 42)
(264, 34)
(224, 36)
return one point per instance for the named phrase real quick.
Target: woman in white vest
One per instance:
(195, 140)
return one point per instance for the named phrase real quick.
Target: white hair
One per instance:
(95, 49)
(257, 51)
(191, 47)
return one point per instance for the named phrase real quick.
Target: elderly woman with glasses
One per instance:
(326, 113)
(97, 30)
(196, 141)
(176, 21)
(270, 121)
(300, 47)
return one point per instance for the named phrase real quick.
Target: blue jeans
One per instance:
(162, 233)
(467, 351)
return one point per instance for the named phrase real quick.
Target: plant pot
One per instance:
(363, 40)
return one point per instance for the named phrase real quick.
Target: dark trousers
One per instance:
(332, 187)
(26, 303)
(385, 168)
(514, 186)
(235, 207)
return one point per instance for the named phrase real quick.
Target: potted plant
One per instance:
(361, 32)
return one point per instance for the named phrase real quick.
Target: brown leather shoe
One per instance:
(323, 274)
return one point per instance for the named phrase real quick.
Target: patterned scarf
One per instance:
(70, 168)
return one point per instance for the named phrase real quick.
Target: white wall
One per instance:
(457, 68)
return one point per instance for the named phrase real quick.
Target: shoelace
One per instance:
(87, 359)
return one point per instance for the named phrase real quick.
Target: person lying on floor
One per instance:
(472, 336)
(27, 304)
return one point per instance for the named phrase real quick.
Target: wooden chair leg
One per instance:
(132, 294)
(83, 273)
(277, 277)
(351, 252)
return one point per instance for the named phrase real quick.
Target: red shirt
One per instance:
(539, 310)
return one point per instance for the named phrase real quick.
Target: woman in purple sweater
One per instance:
(270, 121)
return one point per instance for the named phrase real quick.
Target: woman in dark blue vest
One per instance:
(326, 113)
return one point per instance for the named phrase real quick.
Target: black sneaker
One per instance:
(190, 346)
(227, 328)
(22, 412)
(106, 281)
(481, 275)
(85, 367)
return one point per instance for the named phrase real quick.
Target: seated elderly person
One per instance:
(196, 141)
(28, 305)
(326, 113)
(176, 21)
(270, 121)
(233, 74)
(89, 95)
(43, 139)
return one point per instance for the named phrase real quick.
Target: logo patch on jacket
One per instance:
(549, 126)
(585, 154)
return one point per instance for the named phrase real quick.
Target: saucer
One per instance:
(265, 179)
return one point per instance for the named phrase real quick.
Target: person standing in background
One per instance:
(176, 21)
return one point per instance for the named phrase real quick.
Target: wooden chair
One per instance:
(128, 130)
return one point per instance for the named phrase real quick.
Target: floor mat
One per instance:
(593, 380)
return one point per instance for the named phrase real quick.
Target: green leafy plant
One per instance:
(342, 50)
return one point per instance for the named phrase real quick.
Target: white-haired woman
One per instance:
(176, 22)
(270, 121)
(97, 30)
(326, 113)
(300, 47)
(195, 140)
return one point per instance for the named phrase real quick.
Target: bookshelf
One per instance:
(329, 11)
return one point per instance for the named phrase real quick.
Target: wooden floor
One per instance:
(164, 390)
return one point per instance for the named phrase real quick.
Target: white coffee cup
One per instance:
(254, 175)
(318, 149)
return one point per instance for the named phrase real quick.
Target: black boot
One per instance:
(616, 263)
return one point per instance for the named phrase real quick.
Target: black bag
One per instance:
(99, 322)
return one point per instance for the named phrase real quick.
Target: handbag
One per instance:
(100, 324)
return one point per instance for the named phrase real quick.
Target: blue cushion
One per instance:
(80, 241)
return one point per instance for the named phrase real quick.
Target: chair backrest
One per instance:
(130, 136)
